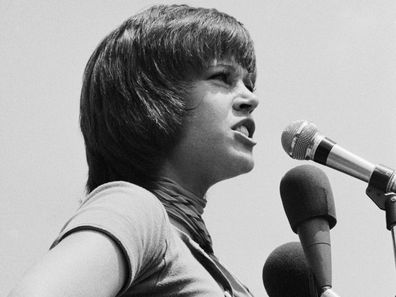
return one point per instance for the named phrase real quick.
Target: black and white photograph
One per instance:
(198, 148)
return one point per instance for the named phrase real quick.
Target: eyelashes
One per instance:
(223, 76)
(230, 79)
(249, 84)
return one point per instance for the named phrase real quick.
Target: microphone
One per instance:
(308, 201)
(301, 140)
(286, 273)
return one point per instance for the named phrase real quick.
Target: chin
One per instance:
(242, 166)
(248, 167)
(233, 164)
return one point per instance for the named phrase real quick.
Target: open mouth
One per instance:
(245, 127)
(244, 130)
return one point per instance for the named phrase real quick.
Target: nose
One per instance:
(246, 101)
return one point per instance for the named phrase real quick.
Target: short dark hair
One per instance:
(135, 82)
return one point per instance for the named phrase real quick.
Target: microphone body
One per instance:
(314, 236)
(302, 141)
(327, 152)
(309, 205)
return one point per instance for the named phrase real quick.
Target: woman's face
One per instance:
(217, 140)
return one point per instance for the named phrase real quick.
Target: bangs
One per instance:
(216, 36)
(224, 40)
(187, 40)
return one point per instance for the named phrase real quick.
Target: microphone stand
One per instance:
(380, 190)
(329, 293)
(390, 209)
(377, 191)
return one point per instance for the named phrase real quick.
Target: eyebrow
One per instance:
(232, 67)
(226, 64)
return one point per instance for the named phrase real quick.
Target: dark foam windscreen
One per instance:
(306, 193)
(287, 274)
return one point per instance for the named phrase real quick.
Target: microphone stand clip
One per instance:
(380, 183)
(380, 190)
(390, 209)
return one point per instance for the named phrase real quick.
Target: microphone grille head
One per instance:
(297, 137)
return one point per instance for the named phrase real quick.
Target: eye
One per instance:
(223, 76)
(250, 85)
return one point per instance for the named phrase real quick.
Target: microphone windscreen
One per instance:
(286, 273)
(306, 193)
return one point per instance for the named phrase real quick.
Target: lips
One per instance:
(245, 127)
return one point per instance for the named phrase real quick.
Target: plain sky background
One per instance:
(330, 62)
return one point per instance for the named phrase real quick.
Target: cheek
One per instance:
(209, 123)
(214, 115)
(212, 132)
(206, 122)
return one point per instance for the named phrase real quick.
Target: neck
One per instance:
(187, 180)
(185, 210)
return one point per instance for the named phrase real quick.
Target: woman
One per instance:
(166, 112)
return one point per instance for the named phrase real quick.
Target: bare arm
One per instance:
(86, 263)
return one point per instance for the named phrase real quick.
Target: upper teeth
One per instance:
(243, 130)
